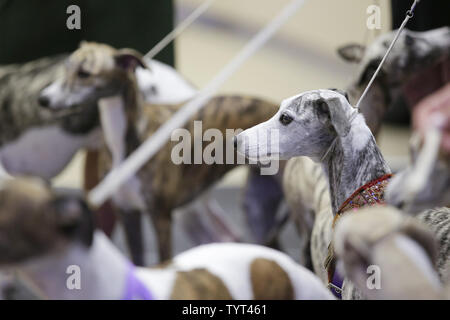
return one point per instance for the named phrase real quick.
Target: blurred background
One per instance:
(301, 56)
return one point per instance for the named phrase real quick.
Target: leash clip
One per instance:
(334, 287)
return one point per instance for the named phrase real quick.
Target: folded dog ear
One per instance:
(344, 93)
(352, 52)
(336, 107)
(129, 59)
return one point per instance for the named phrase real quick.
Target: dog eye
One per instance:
(83, 74)
(285, 119)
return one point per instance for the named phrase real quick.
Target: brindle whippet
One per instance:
(101, 73)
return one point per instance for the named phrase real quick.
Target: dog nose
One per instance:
(44, 101)
(235, 143)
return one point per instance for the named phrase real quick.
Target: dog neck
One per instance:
(98, 265)
(353, 161)
(119, 117)
(114, 124)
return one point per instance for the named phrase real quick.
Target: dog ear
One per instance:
(352, 52)
(335, 106)
(129, 59)
(344, 93)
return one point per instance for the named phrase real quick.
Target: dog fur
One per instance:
(27, 129)
(353, 160)
(401, 247)
(302, 178)
(425, 183)
(413, 52)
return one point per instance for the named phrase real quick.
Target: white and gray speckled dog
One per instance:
(308, 124)
(323, 126)
(414, 52)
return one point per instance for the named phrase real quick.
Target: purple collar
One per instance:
(134, 288)
(335, 285)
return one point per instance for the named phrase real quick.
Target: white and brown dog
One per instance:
(30, 134)
(46, 235)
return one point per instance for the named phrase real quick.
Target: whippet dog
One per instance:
(36, 142)
(414, 53)
(48, 236)
(397, 251)
(101, 73)
(30, 134)
(323, 126)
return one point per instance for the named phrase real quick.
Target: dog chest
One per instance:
(42, 151)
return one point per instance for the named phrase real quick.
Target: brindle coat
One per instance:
(167, 185)
(108, 72)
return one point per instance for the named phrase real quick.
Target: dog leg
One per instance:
(105, 217)
(162, 222)
(132, 223)
(262, 198)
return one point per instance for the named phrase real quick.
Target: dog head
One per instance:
(412, 52)
(305, 125)
(92, 72)
(382, 243)
(36, 221)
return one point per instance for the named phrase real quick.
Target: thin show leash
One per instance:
(179, 29)
(409, 15)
